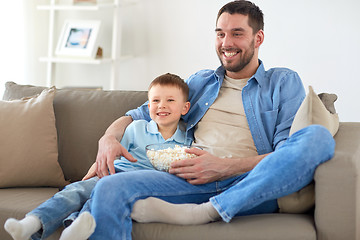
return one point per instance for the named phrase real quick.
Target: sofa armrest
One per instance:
(337, 192)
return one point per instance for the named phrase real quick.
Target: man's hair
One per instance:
(169, 79)
(256, 16)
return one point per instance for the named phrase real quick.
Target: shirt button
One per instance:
(192, 125)
(206, 104)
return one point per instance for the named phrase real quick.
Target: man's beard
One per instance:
(244, 60)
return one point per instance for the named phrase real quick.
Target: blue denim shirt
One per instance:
(271, 99)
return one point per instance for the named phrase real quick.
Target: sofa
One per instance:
(79, 117)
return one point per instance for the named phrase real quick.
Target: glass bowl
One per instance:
(163, 154)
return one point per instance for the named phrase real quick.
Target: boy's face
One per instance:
(166, 105)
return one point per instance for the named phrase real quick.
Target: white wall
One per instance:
(318, 39)
(12, 44)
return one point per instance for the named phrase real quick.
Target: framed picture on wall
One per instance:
(78, 38)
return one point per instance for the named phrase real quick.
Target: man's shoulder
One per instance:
(274, 73)
(277, 76)
(280, 71)
(205, 76)
(203, 73)
(281, 74)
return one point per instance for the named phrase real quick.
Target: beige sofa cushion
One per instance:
(313, 110)
(16, 202)
(28, 143)
(82, 116)
(253, 227)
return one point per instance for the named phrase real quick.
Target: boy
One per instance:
(167, 96)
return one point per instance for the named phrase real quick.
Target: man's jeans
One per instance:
(288, 169)
(73, 198)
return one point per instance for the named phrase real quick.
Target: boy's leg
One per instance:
(73, 216)
(79, 225)
(80, 229)
(287, 170)
(52, 212)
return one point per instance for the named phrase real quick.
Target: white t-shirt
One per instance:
(224, 130)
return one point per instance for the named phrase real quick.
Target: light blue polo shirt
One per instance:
(271, 99)
(138, 135)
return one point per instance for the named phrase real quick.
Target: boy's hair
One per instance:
(256, 16)
(169, 79)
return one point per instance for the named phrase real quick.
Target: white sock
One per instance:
(156, 210)
(80, 229)
(22, 229)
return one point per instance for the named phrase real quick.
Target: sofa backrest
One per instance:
(82, 116)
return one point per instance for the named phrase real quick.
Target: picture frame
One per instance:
(78, 38)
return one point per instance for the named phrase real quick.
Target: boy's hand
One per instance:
(91, 173)
(109, 150)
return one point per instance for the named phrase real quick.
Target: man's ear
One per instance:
(259, 38)
(185, 108)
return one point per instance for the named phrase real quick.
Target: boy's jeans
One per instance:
(288, 169)
(73, 198)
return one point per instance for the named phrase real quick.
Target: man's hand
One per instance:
(109, 150)
(200, 170)
(208, 168)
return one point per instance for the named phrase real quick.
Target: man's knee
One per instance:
(105, 187)
(318, 138)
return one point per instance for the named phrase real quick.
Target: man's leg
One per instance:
(114, 196)
(156, 210)
(287, 170)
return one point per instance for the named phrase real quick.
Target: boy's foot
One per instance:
(80, 229)
(22, 229)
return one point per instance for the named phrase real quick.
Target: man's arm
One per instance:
(208, 168)
(109, 148)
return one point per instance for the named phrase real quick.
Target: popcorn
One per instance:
(162, 158)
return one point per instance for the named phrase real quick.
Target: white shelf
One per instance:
(75, 60)
(90, 7)
(54, 8)
(69, 7)
(81, 60)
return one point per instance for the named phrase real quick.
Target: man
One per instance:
(242, 115)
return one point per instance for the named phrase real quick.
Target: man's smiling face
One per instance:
(235, 42)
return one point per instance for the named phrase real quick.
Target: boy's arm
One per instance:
(109, 148)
